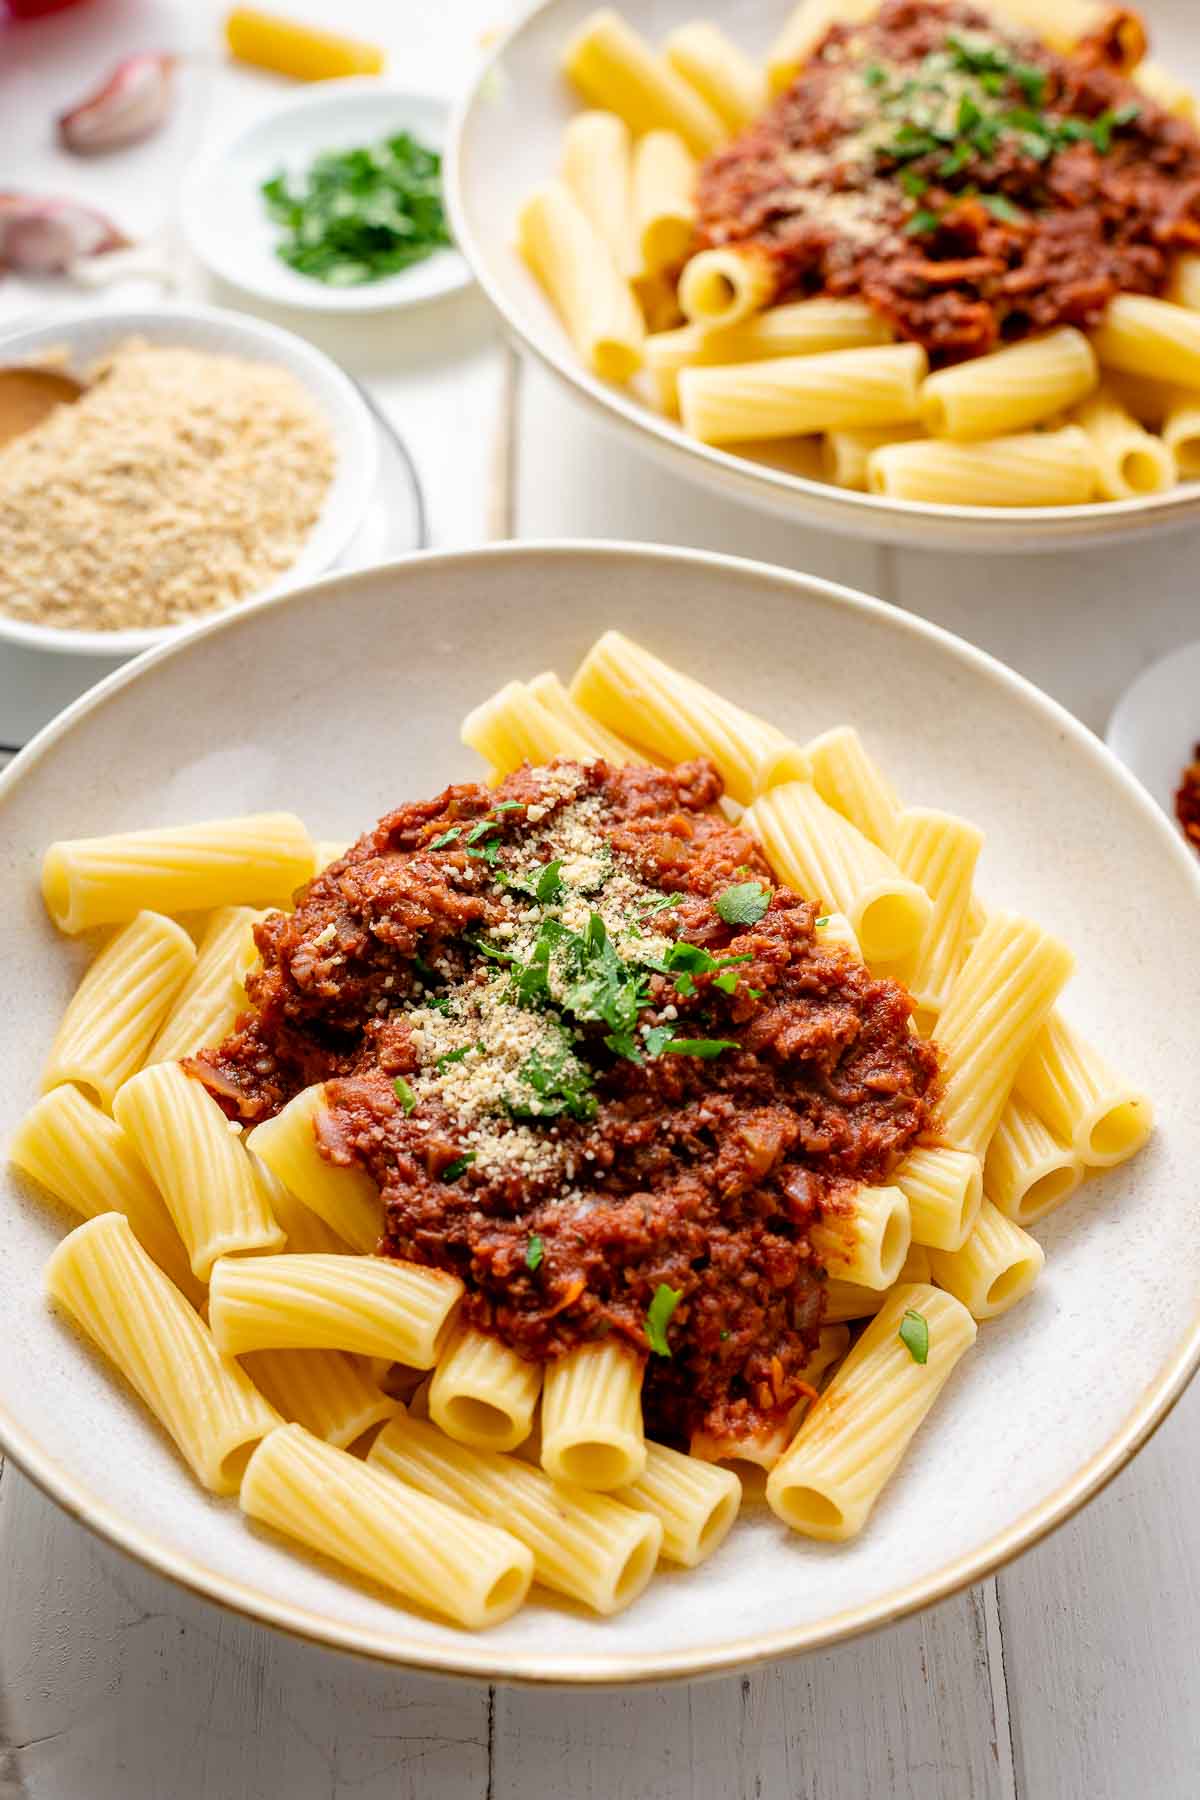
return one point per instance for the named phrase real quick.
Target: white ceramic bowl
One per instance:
(507, 138)
(345, 698)
(1156, 723)
(226, 222)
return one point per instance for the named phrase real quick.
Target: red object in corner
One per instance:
(35, 9)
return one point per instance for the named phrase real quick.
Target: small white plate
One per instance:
(1156, 723)
(225, 219)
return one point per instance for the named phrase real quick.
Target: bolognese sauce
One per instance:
(967, 182)
(598, 1064)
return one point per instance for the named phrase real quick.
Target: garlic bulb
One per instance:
(131, 104)
(45, 236)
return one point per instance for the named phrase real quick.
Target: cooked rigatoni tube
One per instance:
(86, 1161)
(344, 1196)
(307, 1233)
(533, 722)
(1084, 1102)
(944, 1190)
(848, 1300)
(806, 25)
(748, 1452)
(794, 395)
(659, 302)
(721, 287)
(1028, 1171)
(592, 1416)
(200, 1167)
(253, 861)
(122, 1000)
(1129, 459)
(549, 692)
(1181, 430)
(586, 1545)
(143, 1324)
(854, 1437)
(989, 396)
(1174, 96)
(695, 1503)
(1150, 337)
(797, 328)
(652, 705)
(326, 1391)
(1065, 23)
(720, 71)
(366, 1519)
(613, 67)
(868, 1242)
(995, 1268)
(209, 1001)
(372, 1305)
(833, 931)
(482, 1393)
(597, 168)
(329, 850)
(1000, 1000)
(940, 853)
(664, 201)
(1031, 468)
(575, 267)
(824, 857)
(846, 455)
(1184, 285)
(849, 779)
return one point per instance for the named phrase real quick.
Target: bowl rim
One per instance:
(266, 337)
(912, 523)
(470, 1656)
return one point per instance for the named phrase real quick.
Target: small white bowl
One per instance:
(225, 218)
(1156, 723)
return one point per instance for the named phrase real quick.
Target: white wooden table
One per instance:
(1073, 1674)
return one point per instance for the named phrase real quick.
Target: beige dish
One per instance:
(344, 697)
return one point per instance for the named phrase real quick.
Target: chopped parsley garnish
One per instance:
(357, 215)
(744, 904)
(509, 806)
(921, 222)
(656, 1038)
(553, 1084)
(447, 837)
(454, 1056)
(533, 1254)
(1000, 208)
(823, 920)
(914, 1335)
(481, 830)
(661, 904)
(727, 982)
(549, 887)
(404, 1093)
(658, 1317)
(705, 1047)
(488, 852)
(459, 1166)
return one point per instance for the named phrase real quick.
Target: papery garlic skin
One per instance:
(131, 104)
(45, 236)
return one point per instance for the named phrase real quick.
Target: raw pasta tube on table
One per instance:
(991, 396)
(1129, 459)
(849, 779)
(845, 455)
(722, 286)
(846, 1300)
(482, 1393)
(940, 853)
(868, 1243)
(1000, 1000)
(369, 1521)
(1173, 95)
(583, 1544)
(199, 1165)
(372, 1305)
(597, 168)
(995, 1268)
(209, 1001)
(748, 1452)
(143, 1324)
(592, 1416)
(944, 1190)
(589, 293)
(1181, 431)
(797, 328)
(343, 1195)
(720, 71)
(85, 1160)
(253, 861)
(613, 67)
(824, 857)
(1031, 468)
(664, 201)
(1028, 1171)
(852, 1440)
(1084, 1102)
(805, 27)
(1065, 23)
(793, 395)
(1144, 336)
(694, 1502)
(326, 1391)
(122, 1000)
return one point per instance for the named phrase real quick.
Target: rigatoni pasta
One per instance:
(592, 1417)
(205, 1008)
(574, 264)
(613, 67)
(366, 1304)
(720, 71)
(345, 1197)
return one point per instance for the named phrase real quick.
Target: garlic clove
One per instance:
(129, 105)
(45, 236)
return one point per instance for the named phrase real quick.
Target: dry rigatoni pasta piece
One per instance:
(1174, 96)
(868, 1242)
(1181, 429)
(597, 167)
(483, 1393)
(793, 395)
(208, 1004)
(824, 857)
(1084, 1102)
(199, 1165)
(797, 328)
(1000, 1000)
(326, 1391)
(613, 67)
(804, 29)
(723, 286)
(343, 1195)
(575, 267)
(695, 1502)
(1031, 468)
(370, 1305)
(846, 454)
(1028, 1171)
(854, 1437)
(849, 779)
(85, 1160)
(583, 1544)
(664, 201)
(369, 1521)
(995, 1268)
(1129, 459)
(940, 853)
(122, 1000)
(749, 1453)
(252, 861)
(944, 1189)
(1065, 23)
(720, 71)
(989, 396)
(143, 1324)
(592, 1416)
(1144, 336)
